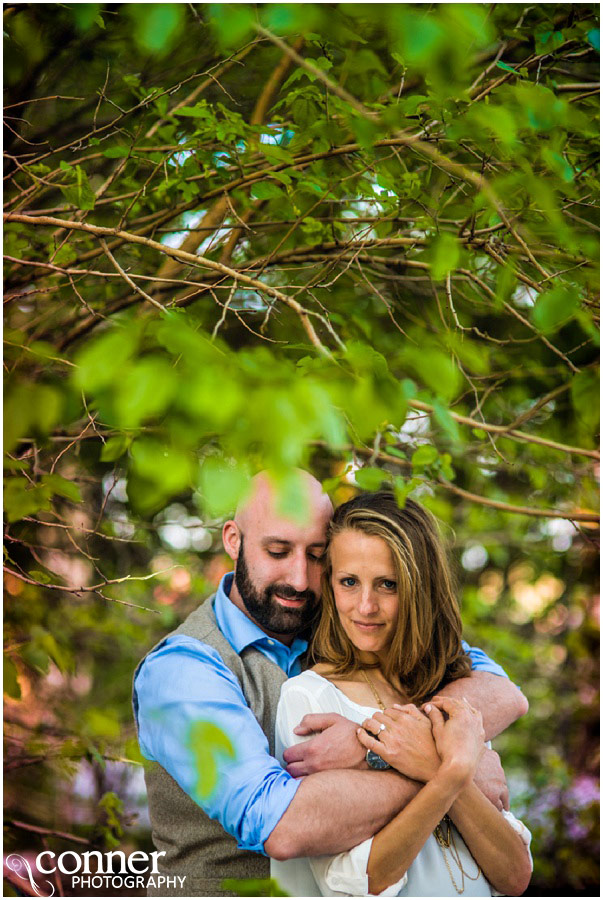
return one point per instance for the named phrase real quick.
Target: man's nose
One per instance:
(298, 573)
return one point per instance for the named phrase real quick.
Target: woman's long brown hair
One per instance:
(426, 650)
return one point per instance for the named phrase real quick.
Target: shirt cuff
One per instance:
(523, 833)
(272, 813)
(347, 873)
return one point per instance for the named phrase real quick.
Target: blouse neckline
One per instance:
(353, 703)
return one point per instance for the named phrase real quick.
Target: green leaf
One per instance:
(120, 151)
(266, 190)
(20, 499)
(42, 577)
(65, 255)
(11, 681)
(100, 363)
(445, 420)
(585, 397)
(156, 25)
(436, 369)
(233, 22)
(199, 111)
(393, 451)
(253, 887)
(444, 255)
(505, 66)
(424, 456)
(403, 487)
(222, 485)
(115, 447)
(79, 193)
(145, 391)
(62, 487)
(370, 478)
(207, 745)
(99, 723)
(554, 307)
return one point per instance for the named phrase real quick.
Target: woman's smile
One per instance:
(365, 587)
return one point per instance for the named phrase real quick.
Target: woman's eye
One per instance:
(389, 585)
(348, 582)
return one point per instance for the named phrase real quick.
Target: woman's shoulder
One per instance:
(322, 668)
(312, 681)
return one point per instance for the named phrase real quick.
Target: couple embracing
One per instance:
(335, 649)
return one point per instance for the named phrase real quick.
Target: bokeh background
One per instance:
(359, 239)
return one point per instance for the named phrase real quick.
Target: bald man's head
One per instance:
(278, 561)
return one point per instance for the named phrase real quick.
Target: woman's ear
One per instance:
(231, 538)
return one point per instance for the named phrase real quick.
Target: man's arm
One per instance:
(500, 702)
(185, 682)
(334, 811)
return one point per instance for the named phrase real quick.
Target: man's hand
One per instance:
(334, 745)
(490, 779)
(405, 741)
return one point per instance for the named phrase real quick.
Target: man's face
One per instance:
(278, 565)
(277, 606)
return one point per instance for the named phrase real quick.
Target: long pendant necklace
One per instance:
(446, 841)
(380, 702)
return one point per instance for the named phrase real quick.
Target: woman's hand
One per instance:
(459, 739)
(406, 742)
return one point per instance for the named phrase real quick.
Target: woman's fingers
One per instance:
(369, 742)
(378, 722)
(408, 709)
(451, 705)
(435, 716)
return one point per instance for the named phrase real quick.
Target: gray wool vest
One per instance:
(196, 846)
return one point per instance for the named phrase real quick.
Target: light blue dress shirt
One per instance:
(184, 681)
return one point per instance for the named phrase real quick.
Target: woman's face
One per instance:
(365, 586)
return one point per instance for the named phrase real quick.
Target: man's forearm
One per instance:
(335, 810)
(498, 699)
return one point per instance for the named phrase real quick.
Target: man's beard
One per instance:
(266, 610)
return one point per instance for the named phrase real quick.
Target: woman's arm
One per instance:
(493, 842)
(396, 846)
(496, 846)
(407, 743)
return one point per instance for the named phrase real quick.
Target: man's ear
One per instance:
(231, 538)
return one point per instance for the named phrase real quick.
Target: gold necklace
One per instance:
(448, 843)
(380, 703)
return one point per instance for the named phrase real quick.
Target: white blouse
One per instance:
(344, 875)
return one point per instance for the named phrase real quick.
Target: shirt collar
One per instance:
(239, 630)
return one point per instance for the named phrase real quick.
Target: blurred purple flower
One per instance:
(584, 791)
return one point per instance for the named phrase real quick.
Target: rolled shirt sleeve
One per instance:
(185, 682)
(480, 662)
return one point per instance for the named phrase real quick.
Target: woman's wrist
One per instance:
(454, 775)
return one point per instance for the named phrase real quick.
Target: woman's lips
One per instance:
(369, 626)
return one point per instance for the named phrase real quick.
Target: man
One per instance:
(225, 665)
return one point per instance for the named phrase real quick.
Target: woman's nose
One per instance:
(368, 602)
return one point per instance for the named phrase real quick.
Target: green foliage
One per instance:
(207, 744)
(422, 312)
(112, 807)
(254, 887)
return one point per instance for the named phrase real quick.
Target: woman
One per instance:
(389, 636)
